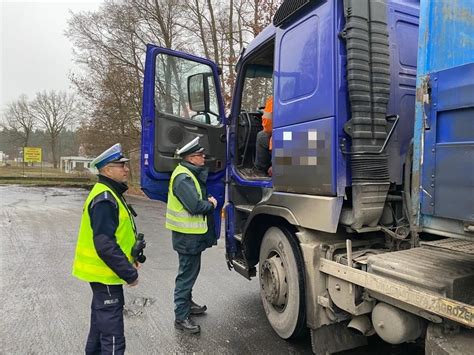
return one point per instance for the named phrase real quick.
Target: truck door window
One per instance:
(257, 87)
(172, 80)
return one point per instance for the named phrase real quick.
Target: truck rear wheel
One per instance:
(281, 272)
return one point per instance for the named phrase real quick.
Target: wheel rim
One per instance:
(274, 281)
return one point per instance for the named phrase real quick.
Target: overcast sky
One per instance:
(35, 54)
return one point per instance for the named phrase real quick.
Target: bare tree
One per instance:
(110, 45)
(103, 40)
(203, 22)
(219, 30)
(262, 14)
(54, 111)
(19, 119)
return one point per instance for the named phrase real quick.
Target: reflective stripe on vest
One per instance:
(267, 115)
(88, 266)
(177, 217)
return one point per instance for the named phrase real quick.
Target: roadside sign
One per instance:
(32, 155)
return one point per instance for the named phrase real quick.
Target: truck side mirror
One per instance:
(198, 92)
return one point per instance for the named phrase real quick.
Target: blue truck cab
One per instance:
(348, 200)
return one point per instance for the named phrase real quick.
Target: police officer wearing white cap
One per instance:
(103, 256)
(190, 217)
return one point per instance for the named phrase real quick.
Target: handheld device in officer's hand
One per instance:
(137, 250)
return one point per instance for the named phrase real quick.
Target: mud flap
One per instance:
(333, 338)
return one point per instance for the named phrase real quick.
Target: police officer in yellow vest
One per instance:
(103, 253)
(190, 217)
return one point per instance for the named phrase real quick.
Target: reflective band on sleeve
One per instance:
(268, 115)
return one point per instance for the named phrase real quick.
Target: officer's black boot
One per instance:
(187, 325)
(197, 309)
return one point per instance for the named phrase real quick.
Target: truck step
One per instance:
(430, 268)
(238, 237)
(244, 208)
(242, 268)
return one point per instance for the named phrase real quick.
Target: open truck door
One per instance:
(181, 100)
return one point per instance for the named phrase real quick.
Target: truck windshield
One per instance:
(256, 91)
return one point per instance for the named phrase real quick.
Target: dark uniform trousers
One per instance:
(263, 155)
(189, 267)
(106, 335)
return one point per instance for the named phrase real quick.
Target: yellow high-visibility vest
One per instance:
(88, 266)
(177, 217)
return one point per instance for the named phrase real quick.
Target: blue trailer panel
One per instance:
(443, 167)
(448, 169)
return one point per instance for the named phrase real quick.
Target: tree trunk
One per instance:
(201, 29)
(53, 152)
(27, 137)
(231, 41)
(215, 43)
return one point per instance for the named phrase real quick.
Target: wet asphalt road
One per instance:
(44, 310)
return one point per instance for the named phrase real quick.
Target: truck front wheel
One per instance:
(281, 272)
